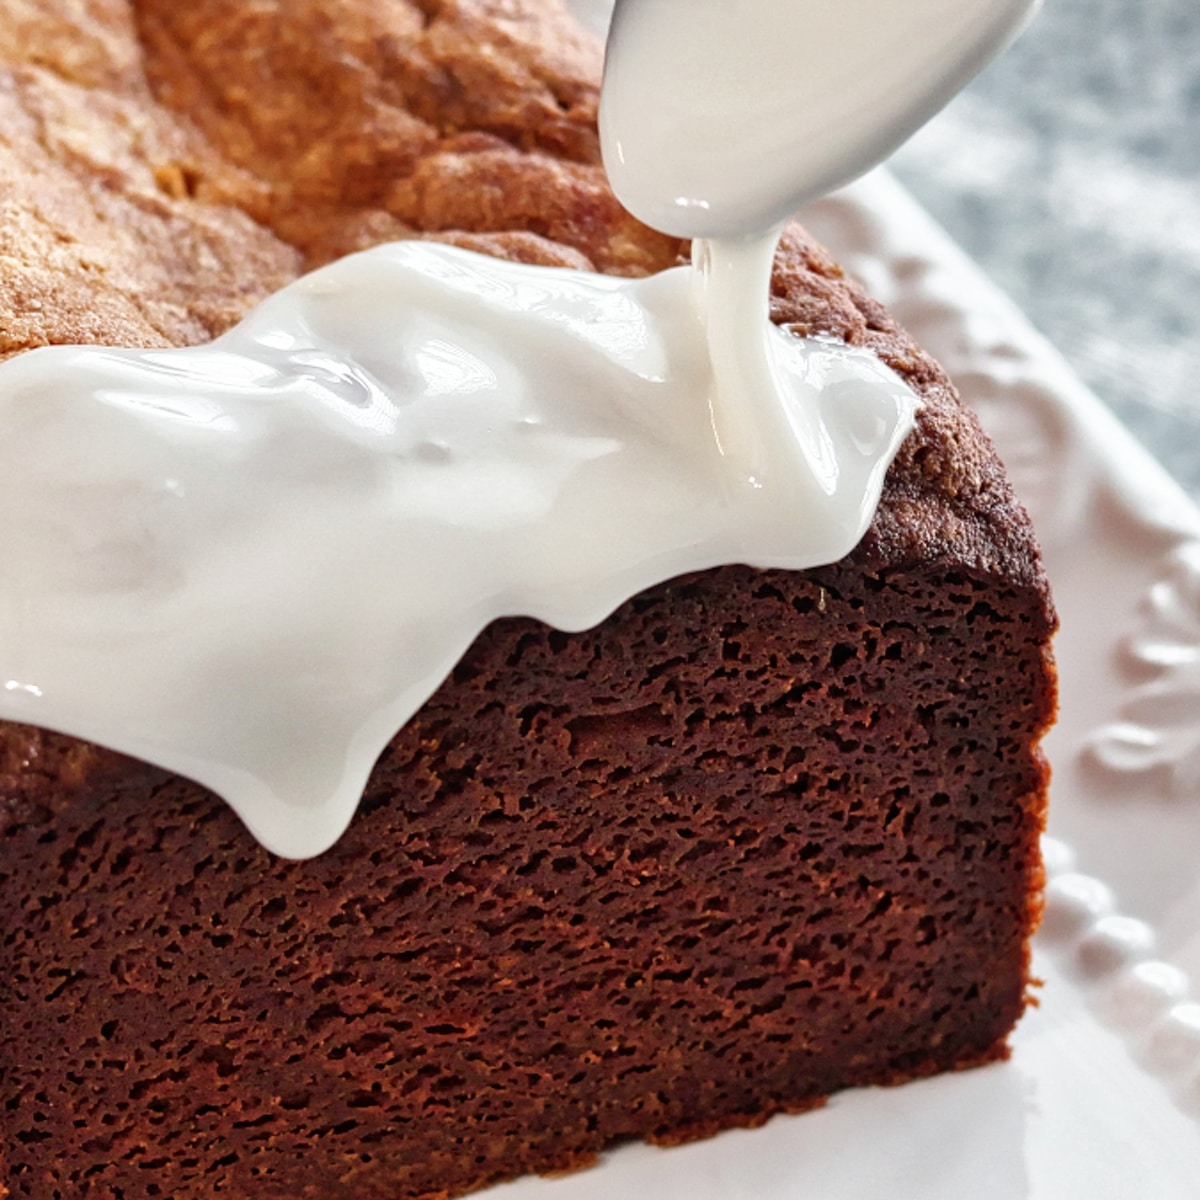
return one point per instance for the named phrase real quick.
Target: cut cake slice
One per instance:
(758, 837)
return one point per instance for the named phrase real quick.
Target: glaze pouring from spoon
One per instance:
(719, 121)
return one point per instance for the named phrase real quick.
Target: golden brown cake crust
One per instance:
(163, 166)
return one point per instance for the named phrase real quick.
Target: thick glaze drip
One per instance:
(252, 561)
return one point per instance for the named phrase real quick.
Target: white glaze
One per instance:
(723, 118)
(251, 562)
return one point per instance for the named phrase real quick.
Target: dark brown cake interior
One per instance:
(758, 837)
(601, 887)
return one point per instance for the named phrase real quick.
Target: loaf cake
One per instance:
(758, 837)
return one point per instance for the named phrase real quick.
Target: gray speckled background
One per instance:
(1070, 170)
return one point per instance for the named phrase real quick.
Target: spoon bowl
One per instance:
(721, 119)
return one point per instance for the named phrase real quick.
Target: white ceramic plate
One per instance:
(1101, 1100)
